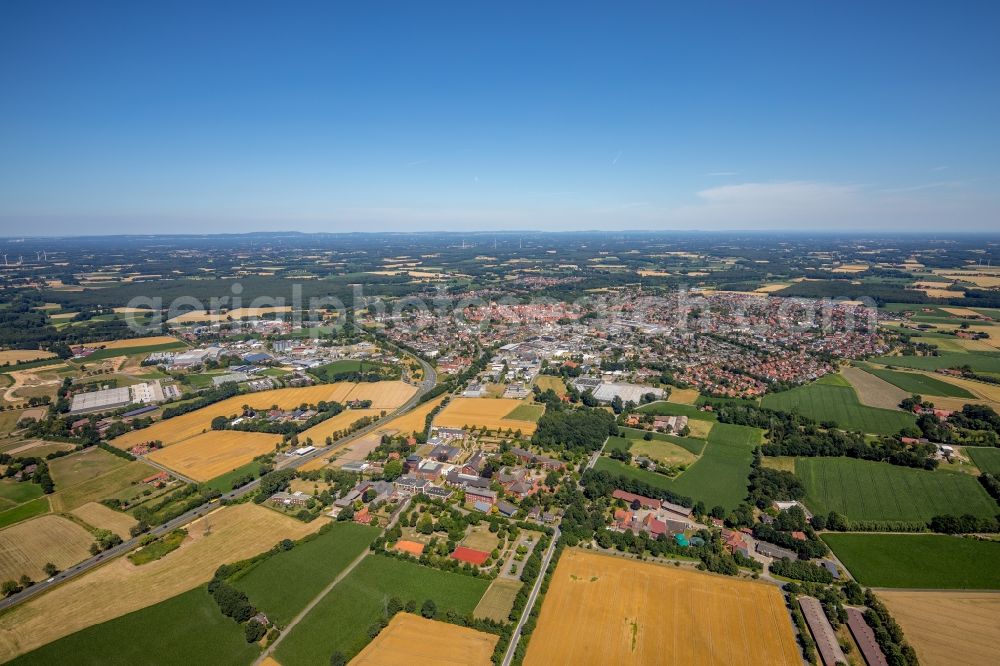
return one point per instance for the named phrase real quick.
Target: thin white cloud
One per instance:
(617, 157)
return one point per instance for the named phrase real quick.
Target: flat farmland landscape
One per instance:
(341, 619)
(922, 561)
(385, 395)
(866, 490)
(206, 456)
(121, 587)
(413, 640)
(948, 628)
(606, 610)
(27, 546)
(99, 516)
(987, 459)
(840, 404)
(483, 412)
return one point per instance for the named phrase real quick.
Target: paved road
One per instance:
(516, 636)
(430, 379)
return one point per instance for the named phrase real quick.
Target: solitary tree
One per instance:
(429, 609)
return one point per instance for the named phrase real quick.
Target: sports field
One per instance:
(340, 621)
(948, 628)
(119, 587)
(987, 459)
(99, 516)
(498, 600)
(718, 478)
(183, 630)
(411, 639)
(917, 382)
(490, 413)
(922, 561)
(826, 402)
(27, 546)
(283, 584)
(204, 457)
(608, 610)
(866, 490)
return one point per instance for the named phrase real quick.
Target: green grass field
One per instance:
(224, 482)
(865, 490)
(675, 409)
(826, 402)
(283, 584)
(341, 619)
(13, 492)
(987, 459)
(695, 446)
(183, 630)
(979, 361)
(132, 351)
(526, 412)
(719, 477)
(918, 560)
(30, 509)
(917, 383)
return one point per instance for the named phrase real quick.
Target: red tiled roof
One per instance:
(470, 555)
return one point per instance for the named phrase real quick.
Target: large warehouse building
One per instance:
(113, 398)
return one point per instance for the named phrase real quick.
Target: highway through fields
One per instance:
(430, 379)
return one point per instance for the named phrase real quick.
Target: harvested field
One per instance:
(413, 420)
(135, 342)
(948, 628)
(384, 395)
(498, 600)
(874, 391)
(411, 640)
(94, 479)
(26, 547)
(194, 423)
(232, 315)
(204, 457)
(13, 356)
(100, 516)
(237, 532)
(545, 382)
(319, 433)
(483, 412)
(982, 390)
(608, 610)
(683, 396)
(961, 312)
(920, 383)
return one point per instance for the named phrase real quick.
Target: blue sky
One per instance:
(331, 116)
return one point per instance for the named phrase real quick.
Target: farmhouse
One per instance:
(629, 498)
(822, 631)
(777, 552)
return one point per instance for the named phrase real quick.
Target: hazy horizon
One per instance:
(340, 118)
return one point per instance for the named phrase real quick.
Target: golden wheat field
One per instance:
(607, 610)
(135, 342)
(206, 456)
(413, 420)
(483, 412)
(683, 396)
(411, 640)
(120, 587)
(319, 433)
(27, 546)
(188, 425)
(234, 315)
(384, 395)
(23, 355)
(948, 627)
(100, 516)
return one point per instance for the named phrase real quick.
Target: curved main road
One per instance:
(430, 379)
